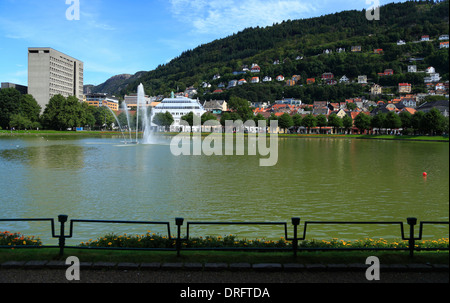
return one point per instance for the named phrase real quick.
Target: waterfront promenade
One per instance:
(235, 273)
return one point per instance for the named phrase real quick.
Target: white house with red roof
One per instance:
(255, 68)
(255, 80)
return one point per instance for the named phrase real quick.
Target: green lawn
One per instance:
(378, 137)
(115, 133)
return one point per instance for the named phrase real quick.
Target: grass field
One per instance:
(329, 257)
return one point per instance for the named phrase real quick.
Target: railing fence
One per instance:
(295, 221)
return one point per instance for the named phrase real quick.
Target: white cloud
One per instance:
(227, 17)
(91, 22)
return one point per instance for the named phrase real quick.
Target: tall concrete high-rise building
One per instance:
(51, 72)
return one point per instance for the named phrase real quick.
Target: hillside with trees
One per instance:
(299, 46)
(341, 44)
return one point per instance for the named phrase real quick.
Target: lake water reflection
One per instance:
(314, 179)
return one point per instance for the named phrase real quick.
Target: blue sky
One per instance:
(115, 37)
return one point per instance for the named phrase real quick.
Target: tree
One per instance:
(235, 117)
(309, 121)
(51, 116)
(163, 119)
(123, 120)
(347, 122)
(434, 122)
(99, 116)
(9, 100)
(189, 118)
(417, 122)
(446, 125)
(335, 121)
(74, 113)
(392, 121)
(168, 119)
(19, 122)
(378, 121)
(226, 116)
(362, 122)
(90, 119)
(297, 119)
(208, 116)
(321, 121)
(351, 106)
(285, 121)
(272, 117)
(63, 113)
(29, 108)
(259, 117)
(241, 107)
(406, 119)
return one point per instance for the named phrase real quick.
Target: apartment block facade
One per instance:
(51, 72)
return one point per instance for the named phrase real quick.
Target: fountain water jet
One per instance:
(127, 114)
(142, 109)
(118, 123)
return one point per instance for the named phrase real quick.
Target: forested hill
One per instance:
(308, 39)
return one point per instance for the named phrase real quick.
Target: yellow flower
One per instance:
(109, 243)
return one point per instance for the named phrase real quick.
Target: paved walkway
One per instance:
(102, 272)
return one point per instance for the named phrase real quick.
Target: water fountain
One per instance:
(127, 114)
(141, 110)
(118, 122)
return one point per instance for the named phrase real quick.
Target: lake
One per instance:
(316, 179)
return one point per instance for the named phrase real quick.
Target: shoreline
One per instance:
(419, 138)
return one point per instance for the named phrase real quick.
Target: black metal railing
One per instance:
(295, 221)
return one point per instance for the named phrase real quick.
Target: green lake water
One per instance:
(317, 179)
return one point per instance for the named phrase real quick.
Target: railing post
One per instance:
(62, 238)
(178, 222)
(295, 222)
(411, 222)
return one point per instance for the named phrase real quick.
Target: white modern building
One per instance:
(412, 68)
(51, 73)
(178, 107)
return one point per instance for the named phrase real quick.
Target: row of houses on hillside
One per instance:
(341, 110)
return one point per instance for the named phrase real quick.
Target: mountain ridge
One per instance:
(115, 83)
(306, 38)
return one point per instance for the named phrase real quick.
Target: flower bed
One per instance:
(16, 239)
(152, 240)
